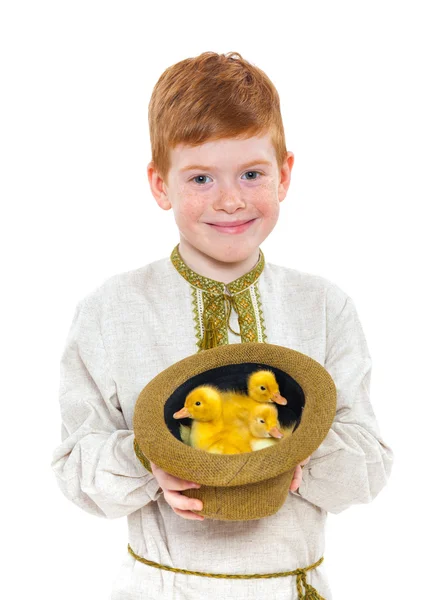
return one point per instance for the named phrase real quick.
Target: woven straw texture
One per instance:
(243, 486)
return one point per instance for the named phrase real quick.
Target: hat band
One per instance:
(308, 592)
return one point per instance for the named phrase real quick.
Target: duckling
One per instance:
(263, 422)
(265, 428)
(262, 386)
(204, 405)
(209, 429)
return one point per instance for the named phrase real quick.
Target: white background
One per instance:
(362, 94)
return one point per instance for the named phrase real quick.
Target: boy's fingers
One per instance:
(177, 500)
(172, 487)
(296, 479)
(174, 483)
(186, 514)
(298, 475)
(170, 482)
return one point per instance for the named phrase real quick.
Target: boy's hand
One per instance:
(298, 475)
(172, 486)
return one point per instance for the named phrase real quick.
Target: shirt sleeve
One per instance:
(95, 465)
(353, 463)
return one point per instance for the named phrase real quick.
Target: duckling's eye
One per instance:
(262, 387)
(197, 403)
(262, 421)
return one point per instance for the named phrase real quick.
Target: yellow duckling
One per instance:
(204, 405)
(265, 428)
(209, 431)
(262, 386)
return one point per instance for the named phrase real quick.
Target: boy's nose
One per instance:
(229, 201)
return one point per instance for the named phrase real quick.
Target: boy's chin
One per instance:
(232, 255)
(230, 252)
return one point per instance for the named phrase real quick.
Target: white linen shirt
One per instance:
(138, 323)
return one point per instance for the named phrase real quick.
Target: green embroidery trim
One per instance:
(211, 285)
(247, 318)
(260, 311)
(212, 305)
(215, 309)
(249, 278)
(196, 316)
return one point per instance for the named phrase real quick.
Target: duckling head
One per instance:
(263, 422)
(263, 387)
(203, 404)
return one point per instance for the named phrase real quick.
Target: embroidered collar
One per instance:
(212, 305)
(212, 286)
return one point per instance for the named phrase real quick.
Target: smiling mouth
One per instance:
(232, 228)
(231, 224)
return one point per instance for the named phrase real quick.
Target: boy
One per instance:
(219, 160)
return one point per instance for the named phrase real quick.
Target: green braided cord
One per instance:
(310, 594)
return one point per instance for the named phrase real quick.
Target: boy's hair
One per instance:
(210, 97)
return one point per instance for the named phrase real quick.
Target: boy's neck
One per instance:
(213, 269)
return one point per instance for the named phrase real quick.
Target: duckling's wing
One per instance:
(287, 417)
(286, 431)
(184, 432)
(260, 443)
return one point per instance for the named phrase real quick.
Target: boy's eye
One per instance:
(251, 173)
(200, 179)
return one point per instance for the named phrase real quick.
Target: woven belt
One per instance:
(309, 592)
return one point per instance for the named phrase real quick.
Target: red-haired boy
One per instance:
(219, 160)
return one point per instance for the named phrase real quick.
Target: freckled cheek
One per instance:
(266, 202)
(268, 208)
(191, 208)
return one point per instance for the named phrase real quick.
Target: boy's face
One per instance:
(218, 183)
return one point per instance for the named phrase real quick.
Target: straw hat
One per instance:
(249, 485)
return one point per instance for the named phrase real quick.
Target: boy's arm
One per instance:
(95, 465)
(353, 463)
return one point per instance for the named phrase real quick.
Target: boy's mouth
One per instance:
(230, 228)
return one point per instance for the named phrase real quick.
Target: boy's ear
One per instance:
(285, 176)
(158, 187)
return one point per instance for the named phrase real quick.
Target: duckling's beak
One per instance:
(181, 414)
(275, 432)
(279, 399)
